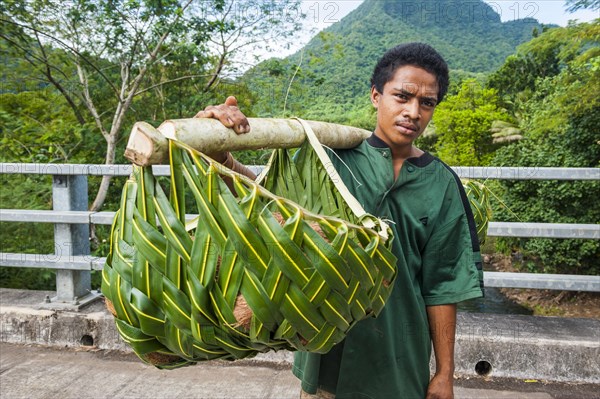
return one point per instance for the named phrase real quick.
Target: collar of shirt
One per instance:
(421, 161)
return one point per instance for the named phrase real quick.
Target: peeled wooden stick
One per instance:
(148, 146)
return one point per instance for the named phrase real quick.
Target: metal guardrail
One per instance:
(469, 172)
(495, 229)
(71, 219)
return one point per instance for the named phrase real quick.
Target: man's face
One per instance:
(406, 106)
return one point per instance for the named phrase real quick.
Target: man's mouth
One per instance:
(407, 127)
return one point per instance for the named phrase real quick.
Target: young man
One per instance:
(434, 239)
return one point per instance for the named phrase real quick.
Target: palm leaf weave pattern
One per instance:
(479, 199)
(176, 289)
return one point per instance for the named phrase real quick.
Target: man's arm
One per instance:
(442, 324)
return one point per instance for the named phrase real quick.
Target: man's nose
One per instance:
(412, 110)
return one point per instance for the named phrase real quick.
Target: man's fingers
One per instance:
(224, 117)
(240, 128)
(204, 114)
(228, 114)
(217, 113)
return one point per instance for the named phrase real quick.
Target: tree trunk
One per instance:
(111, 147)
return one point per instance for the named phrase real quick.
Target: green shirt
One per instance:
(439, 262)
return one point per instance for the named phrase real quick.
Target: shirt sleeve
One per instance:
(451, 260)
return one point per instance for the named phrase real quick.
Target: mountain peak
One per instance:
(337, 64)
(439, 12)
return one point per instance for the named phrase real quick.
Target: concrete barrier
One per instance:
(529, 347)
(516, 346)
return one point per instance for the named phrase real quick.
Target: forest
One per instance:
(75, 79)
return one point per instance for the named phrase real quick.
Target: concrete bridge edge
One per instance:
(514, 346)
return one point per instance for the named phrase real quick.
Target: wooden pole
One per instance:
(149, 146)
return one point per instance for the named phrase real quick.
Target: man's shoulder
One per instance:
(360, 151)
(361, 147)
(445, 171)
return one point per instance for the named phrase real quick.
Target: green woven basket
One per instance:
(251, 273)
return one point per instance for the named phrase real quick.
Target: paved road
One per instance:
(43, 372)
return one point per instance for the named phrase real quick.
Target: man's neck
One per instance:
(401, 154)
(398, 158)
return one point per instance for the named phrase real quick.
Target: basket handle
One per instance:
(352, 202)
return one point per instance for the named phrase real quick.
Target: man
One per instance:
(435, 241)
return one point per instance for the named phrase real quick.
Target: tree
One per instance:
(463, 123)
(544, 56)
(103, 55)
(559, 121)
(574, 5)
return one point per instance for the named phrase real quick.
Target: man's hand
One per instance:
(440, 387)
(228, 114)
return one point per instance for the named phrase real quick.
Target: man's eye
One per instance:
(429, 104)
(402, 96)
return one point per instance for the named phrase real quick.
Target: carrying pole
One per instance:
(149, 146)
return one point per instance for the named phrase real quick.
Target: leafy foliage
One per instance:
(332, 83)
(34, 126)
(106, 57)
(463, 123)
(574, 5)
(558, 102)
(76, 76)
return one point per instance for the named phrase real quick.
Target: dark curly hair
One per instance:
(416, 54)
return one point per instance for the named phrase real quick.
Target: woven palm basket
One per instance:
(291, 263)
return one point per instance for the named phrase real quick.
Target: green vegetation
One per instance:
(555, 95)
(76, 76)
(463, 123)
(544, 96)
(107, 58)
(335, 67)
(575, 5)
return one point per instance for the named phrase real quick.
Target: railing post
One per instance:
(70, 193)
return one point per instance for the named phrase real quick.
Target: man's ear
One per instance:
(375, 95)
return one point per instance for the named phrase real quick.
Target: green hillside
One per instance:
(333, 79)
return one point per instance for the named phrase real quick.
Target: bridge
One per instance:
(520, 348)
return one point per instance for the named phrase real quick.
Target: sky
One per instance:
(323, 13)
